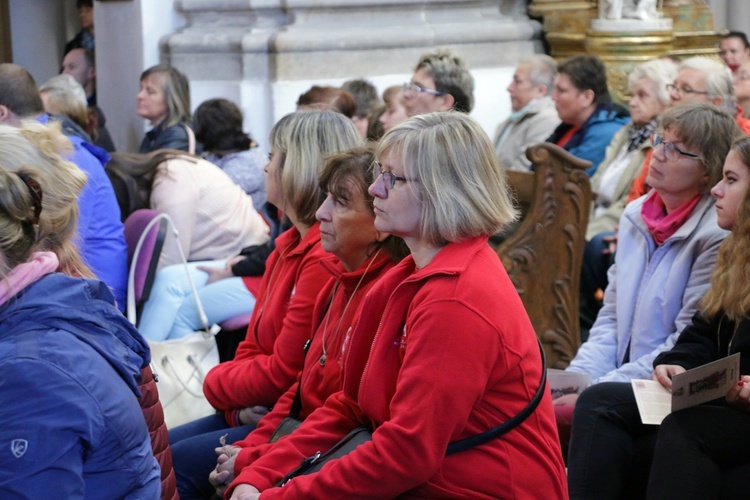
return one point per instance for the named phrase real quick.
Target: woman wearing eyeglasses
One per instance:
(667, 247)
(443, 349)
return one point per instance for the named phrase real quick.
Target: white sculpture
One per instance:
(628, 9)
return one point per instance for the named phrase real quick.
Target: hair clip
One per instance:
(36, 195)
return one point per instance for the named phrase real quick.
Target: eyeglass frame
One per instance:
(657, 140)
(672, 86)
(408, 86)
(389, 178)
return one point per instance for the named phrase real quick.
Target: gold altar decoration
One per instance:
(567, 26)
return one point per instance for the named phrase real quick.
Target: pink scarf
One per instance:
(661, 224)
(23, 275)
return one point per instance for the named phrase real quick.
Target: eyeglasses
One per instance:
(684, 90)
(671, 151)
(416, 88)
(389, 178)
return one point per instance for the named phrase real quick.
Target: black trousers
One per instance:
(697, 453)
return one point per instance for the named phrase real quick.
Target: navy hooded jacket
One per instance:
(70, 422)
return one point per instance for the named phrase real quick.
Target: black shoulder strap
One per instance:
(470, 442)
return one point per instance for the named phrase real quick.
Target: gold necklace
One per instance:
(324, 356)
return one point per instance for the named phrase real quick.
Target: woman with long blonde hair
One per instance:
(699, 450)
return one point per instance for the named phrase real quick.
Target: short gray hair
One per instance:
(461, 184)
(660, 71)
(451, 75)
(67, 96)
(542, 70)
(718, 78)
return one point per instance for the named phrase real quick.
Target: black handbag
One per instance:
(362, 434)
(285, 427)
(292, 421)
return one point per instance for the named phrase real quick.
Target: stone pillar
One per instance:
(738, 16)
(264, 53)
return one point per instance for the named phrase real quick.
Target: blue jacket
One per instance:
(69, 369)
(591, 140)
(101, 234)
(652, 295)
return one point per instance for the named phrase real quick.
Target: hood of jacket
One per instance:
(84, 309)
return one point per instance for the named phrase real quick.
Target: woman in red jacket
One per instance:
(267, 362)
(443, 349)
(361, 256)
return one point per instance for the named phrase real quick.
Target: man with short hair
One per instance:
(700, 79)
(534, 115)
(81, 65)
(734, 49)
(589, 117)
(441, 82)
(100, 231)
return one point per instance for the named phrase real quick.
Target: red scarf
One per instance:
(562, 141)
(661, 224)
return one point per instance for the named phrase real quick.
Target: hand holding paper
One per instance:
(691, 388)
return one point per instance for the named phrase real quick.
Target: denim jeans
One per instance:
(193, 455)
(171, 311)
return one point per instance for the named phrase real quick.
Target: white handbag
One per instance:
(179, 365)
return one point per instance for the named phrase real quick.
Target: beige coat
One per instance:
(534, 127)
(214, 216)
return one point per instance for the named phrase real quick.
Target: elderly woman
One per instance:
(424, 326)
(64, 97)
(667, 247)
(626, 156)
(164, 100)
(361, 255)
(701, 451)
(631, 146)
(68, 434)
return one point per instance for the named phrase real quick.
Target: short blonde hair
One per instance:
(460, 182)
(39, 146)
(306, 139)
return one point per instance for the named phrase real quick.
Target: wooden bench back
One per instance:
(543, 255)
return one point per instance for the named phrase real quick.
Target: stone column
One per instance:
(264, 53)
(738, 16)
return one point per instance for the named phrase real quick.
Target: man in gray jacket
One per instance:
(534, 115)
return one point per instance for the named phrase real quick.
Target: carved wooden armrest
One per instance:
(543, 255)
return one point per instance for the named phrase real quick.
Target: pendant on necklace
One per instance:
(322, 360)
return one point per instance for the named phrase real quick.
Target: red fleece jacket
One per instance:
(438, 354)
(267, 362)
(319, 381)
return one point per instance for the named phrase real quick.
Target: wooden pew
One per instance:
(543, 254)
